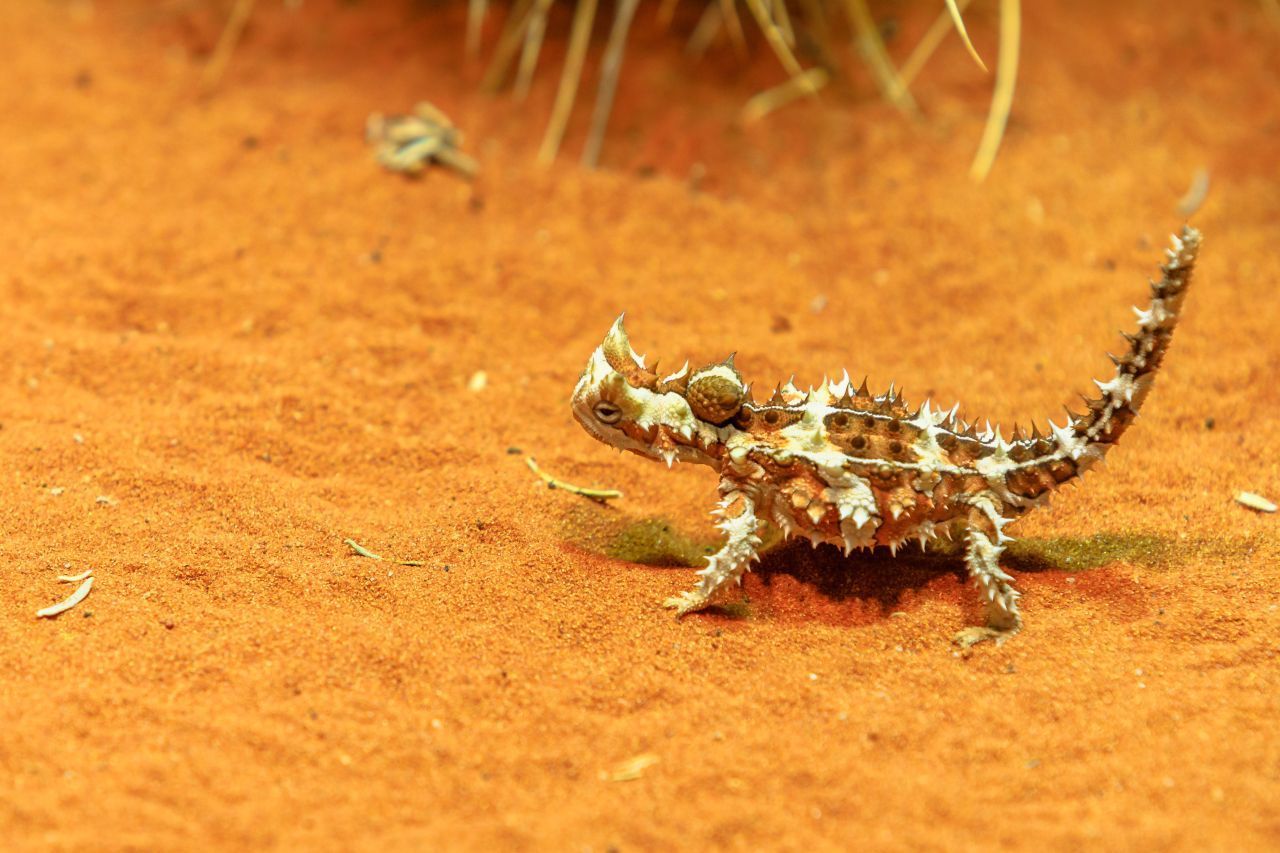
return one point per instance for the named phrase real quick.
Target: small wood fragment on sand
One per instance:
(68, 602)
(631, 769)
(365, 552)
(1253, 501)
(597, 495)
(1196, 193)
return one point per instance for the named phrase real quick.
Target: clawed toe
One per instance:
(972, 636)
(686, 602)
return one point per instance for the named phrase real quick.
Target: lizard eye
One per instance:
(607, 412)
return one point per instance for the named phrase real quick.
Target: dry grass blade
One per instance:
(705, 32)
(954, 11)
(610, 65)
(775, 38)
(771, 99)
(533, 34)
(871, 46)
(733, 25)
(227, 42)
(1002, 97)
(928, 44)
(667, 12)
(476, 10)
(1272, 8)
(819, 32)
(579, 36)
(783, 19)
(508, 43)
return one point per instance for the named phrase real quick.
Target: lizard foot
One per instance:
(972, 636)
(687, 602)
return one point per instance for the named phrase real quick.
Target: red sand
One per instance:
(222, 318)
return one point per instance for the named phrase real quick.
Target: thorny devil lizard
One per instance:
(842, 466)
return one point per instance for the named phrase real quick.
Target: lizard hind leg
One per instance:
(739, 523)
(984, 542)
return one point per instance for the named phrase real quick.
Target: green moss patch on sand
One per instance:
(647, 541)
(657, 542)
(1074, 554)
(660, 542)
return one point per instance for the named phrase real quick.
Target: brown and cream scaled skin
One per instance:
(843, 466)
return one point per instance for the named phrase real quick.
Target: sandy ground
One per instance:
(231, 341)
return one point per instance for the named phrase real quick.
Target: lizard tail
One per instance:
(1069, 450)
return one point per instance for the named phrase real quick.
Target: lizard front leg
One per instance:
(984, 542)
(739, 523)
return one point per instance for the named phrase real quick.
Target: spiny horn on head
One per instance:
(622, 358)
(617, 347)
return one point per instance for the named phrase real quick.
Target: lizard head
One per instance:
(684, 416)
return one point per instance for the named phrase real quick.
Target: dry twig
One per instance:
(597, 495)
(365, 552)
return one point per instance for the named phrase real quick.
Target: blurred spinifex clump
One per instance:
(813, 41)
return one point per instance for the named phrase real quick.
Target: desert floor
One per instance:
(232, 341)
